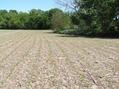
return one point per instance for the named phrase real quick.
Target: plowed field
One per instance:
(43, 60)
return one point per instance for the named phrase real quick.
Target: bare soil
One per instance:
(43, 60)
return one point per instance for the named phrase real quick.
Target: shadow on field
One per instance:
(101, 37)
(76, 36)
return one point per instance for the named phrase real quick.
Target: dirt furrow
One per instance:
(13, 59)
(6, 53)
(26, 71)
(5, 38)
(87, 59)
(5, 41)
(4, 50)
(82, 72)
(43, 60)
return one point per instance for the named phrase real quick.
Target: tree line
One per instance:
(94, 17)
(34, 19)
(85, 17)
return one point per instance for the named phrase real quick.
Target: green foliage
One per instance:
(90, 18)
(96, 17)
(60, 21)
(34, 19)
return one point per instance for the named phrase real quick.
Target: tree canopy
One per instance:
(34, 19)
(94, 17)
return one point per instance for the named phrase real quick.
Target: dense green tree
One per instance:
(34, 19)
(95, 17)
(53, 11)
(60, 21)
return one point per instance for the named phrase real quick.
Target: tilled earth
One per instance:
(43, 60)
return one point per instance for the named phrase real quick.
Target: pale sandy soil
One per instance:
(42, 60)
